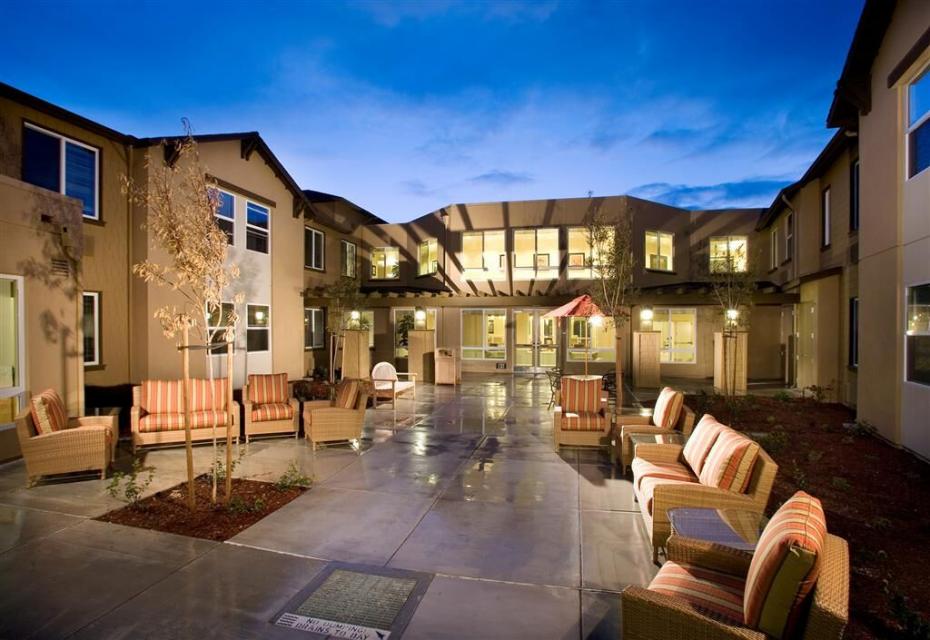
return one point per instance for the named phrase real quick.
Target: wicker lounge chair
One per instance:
(669, 415)
(339, 419)
(387, 385)
(581, 417)
(270, 407)
(157, 415)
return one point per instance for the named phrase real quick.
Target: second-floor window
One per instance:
(428, 257)
(728, 254)
(484, 250)
(789, 236)
(825, 217)
(217, 321)
(314, 248)
(349, 259)
(226, 215)
(659, 250)
(854, 196)
(918, 129)
(385, 263)
(257, 225)
(258, 328)
(773, 247)
(536, 252)
(64, 165)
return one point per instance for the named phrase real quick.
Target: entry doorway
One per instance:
(12, 348)
(535, 341)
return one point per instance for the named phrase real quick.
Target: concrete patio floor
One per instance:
(523, 541)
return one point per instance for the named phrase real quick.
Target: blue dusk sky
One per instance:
(404, 107)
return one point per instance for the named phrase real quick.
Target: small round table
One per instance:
(734, 528)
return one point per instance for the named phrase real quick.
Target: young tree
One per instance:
(180, 202)
(610, 236)
(343, 296)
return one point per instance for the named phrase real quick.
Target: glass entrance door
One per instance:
(535, 341)
(12, 347)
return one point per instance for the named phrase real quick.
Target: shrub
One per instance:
(774, 442)
(128, 487)
(798, 475)
(913, 626)
(238, 505)
(814, 456)
(782, 396)
(864, 428)
(292, 478)
(840, 483)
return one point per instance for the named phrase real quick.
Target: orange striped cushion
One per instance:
(700, 441)
(645, 469)
(205, 419)
(668, 408)
(274, 411)
(584, 422)
(346, 394)
(268, 389)
(581, 396)
(162, 396)
(710, 593)
(202, 399)
(648, 486)
(48, 412)
(785, 566)
(161, 422)
(730, 461)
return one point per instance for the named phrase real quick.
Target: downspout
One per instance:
(129, 257)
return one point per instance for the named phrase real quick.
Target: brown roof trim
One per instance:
(909, 58)
(31, 101)
(321, 196)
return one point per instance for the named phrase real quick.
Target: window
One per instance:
(348, 259)
(314, 243)
(484, 334)
(597, 343)
(677, 332)
(854, 196)
(226, 214)
(256, 227)
(63, 165)
(918, 334)
(385, 263)
(789, 236)
(257, 329)
(217, 322)
(583, 259)
(366, 321)
(853, 332)
(404, 321)
(91, 326)
(484, 250)
(428, 257)
(313, 328)
(918, 132)
(659, 249)
(13, 351)
(536, 253)
(773, 247)
(825, 218)
(728, 254)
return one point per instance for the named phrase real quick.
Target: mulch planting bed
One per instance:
(167, 510)
(875, 496)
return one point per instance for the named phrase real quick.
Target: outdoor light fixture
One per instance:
(596, 321)
(354, 316)
(732, 315)
(645, 318)
(259, 315)
(419, 317)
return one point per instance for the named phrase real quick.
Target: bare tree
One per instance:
(181, 202)
(732, 276)
(610, 236)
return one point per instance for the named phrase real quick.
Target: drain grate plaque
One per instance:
(356, 601)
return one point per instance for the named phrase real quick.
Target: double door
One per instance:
(535, 341)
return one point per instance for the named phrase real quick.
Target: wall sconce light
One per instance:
(732, 316)
(645, 319)
(596, 321)
(354, 316)
(419, 319)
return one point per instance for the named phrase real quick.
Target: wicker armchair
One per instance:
(339, 419)
(630, 424)
(580, 418)
(87, 444)
(270, 407)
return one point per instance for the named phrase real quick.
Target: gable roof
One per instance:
(322, 197)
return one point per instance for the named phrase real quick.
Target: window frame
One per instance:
(63, 164)
(910, 129)
(384, 249)
(910, 334)
(433, 263)
(217, 214)
(344, 259)
(96, 362)
(211, 328)
(826, 218)
(789, 236)
(249, 327)
(314, 312)
(729, 240)
(484, 335)
(668, 311)
(502, 257)
(255, 228)
(773, 247)
(577, 354)
(313, 257)
(658, 238)
(538, 269)
(852, 354)
(854, 201)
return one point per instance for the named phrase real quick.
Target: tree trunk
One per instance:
(618, 368)
(230, 418)
(191, 496)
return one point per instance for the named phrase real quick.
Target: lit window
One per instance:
(404, 321)
(728, 254)
(484, 250)
(918, 132)
(314, 243)
(91, 326)
(773, 246)
(428, 257)
(918, 334)
(218, 320)
(257, 220)
(63, 165)
(789, 236)
(854, 196)
(598, 341)
(484, 334)
(536, 253)
(366, 320)
(854, 332)
(348, 259)
(677, 332)
(225, 214)
(825, 218)
(385, 263)
(313, 328)
(579, 253)
(659, 250)
(257, 328)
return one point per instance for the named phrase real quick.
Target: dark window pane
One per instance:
(257, 215)
(256, 240)
(41, 159)
(227, 227)
(80, 176)
(920, 148)
(308, 248)
(257, 340)
(258, 316)
(90, 329)
(317, 250)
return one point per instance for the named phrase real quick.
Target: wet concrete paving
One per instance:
(524, 541)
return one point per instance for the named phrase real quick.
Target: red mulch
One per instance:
(167, 510)
(875, 496)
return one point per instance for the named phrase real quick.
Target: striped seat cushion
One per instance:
(268, 388)
(710, 593)
(162, 396)
(207, 395)
(205, 419)
(648, 485)
(274, 411)
(346, 394)
(671, 470)
(584, 422)
(700, 442)
(175, 421)
(730, 461)
(48, 412)
(581, 396)
(785, 566)
(668, 408)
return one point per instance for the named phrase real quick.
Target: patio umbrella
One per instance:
(581, 307)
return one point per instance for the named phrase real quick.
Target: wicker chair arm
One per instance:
(631, 429)
(409, 375)
(335, 416)
(93, 421)
(648, 615)
(659, 453)
(135, 414)
(58, 441)
(693, 494)
(829, 612)
(708, 555)
(316, 405)
(633, 418)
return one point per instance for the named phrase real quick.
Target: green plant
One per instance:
(770, 419)
(814, 456)
(128, 487)
(782, 396)
(864, 428)
(912, 624)
(292, 478)
(774, 441)
(840, 483)
(798, 475)
(238, 505)
(880, 523)
(219, 467)
(404, 325)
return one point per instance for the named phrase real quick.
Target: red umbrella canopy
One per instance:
(580, 307)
